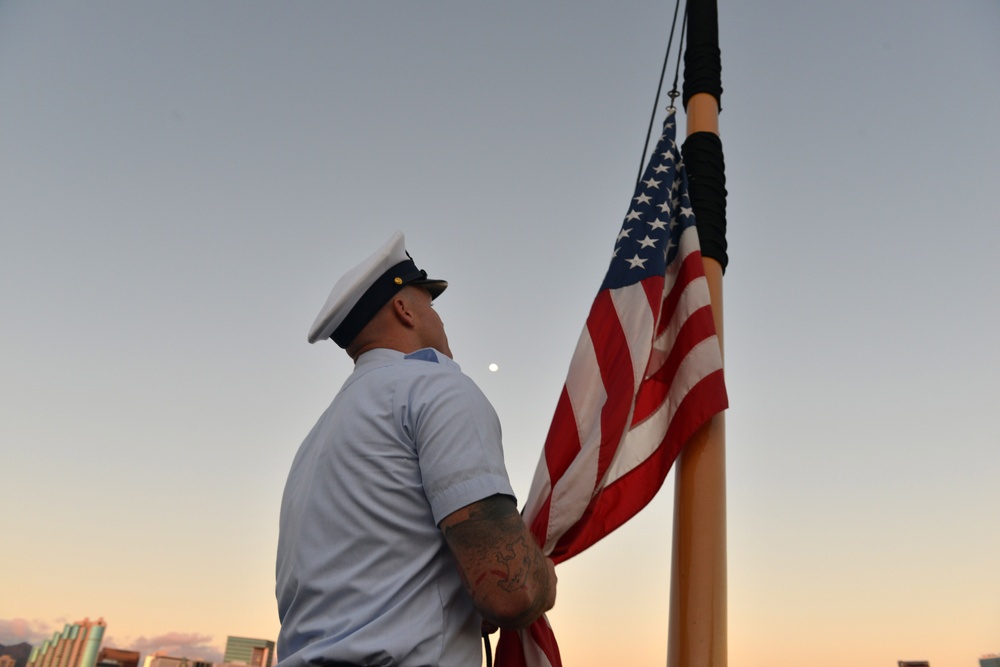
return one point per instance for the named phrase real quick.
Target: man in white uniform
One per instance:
(399, 533)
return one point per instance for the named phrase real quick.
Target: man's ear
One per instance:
(402, 311)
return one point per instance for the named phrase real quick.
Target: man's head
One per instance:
(361, 294)
(408, 322)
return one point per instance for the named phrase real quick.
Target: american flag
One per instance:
(646, 374)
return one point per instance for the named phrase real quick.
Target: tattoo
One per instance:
(518, 564)
(492, 535)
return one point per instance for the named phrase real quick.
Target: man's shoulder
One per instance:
(432, 375)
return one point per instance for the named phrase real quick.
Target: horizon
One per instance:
(186, 645)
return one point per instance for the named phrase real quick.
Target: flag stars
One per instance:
(660, 210)
(637, 262)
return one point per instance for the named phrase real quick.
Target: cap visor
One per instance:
(435, 287)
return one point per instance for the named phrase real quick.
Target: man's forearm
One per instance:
(509, 579)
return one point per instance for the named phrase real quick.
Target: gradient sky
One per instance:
(182, 182)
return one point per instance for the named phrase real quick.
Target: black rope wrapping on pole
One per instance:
(706, 170)
(702, 151)
(702, 59)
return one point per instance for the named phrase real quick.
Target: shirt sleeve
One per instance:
(456, 434)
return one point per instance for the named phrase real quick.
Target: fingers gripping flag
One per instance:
(646, 374)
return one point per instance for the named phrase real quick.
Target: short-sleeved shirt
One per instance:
(364, 575)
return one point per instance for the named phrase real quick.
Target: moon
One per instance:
(494, 368)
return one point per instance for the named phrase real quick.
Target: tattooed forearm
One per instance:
(491, 537)
(500, 564)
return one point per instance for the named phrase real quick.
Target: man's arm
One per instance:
(511, 583)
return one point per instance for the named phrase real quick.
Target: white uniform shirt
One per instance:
(363, 572)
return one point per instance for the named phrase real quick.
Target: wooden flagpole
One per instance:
(697, 635)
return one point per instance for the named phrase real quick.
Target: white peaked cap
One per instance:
(363, 290)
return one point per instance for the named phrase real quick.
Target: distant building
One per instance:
(75, 646)
(990, 660)
(19, 653)
(116, 657)
(252, 652)
(168, 661)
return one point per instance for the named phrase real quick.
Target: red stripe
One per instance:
(617, 375)
(541, 633)
(633, 491)
(691, 269)
(653, 287)
(540, 524)
(509, 652)
(654, 390)
(705, 399)
(621, 500)
(562, 444)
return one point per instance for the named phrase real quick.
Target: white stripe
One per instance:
(533, 653)
(688, 244)
(584, 385)
(572, 493)
(636, 320)
(695, 296)
(542, 484)
(540, 487)
(640, 443)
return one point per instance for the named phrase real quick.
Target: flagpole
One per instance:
(697, 635)
(697, 632)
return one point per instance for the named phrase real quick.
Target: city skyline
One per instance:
(201, 652)
(190, 646)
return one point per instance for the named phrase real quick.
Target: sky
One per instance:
(182, 183)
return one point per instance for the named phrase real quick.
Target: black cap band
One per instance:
(376, 296)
